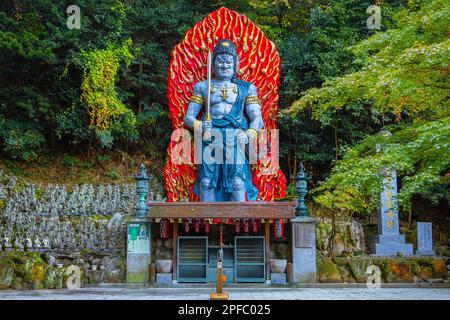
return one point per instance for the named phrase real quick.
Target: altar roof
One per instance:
(225, 210)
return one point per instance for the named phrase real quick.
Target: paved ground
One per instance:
(130, 293)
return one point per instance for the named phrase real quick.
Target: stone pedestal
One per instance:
(304, 249)
(278, 278)
(164, 278)
(138, 251)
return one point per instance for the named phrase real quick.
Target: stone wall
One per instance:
(347, 238)
(35, 270)
(54, 226)
(393, 270)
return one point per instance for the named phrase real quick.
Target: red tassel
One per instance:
(278, 228)
(255, 225)
(207, 226)
(164, 226)
(246, 225)
(197, 225)
(186, 225)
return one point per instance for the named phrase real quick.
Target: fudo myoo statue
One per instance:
(234, 121)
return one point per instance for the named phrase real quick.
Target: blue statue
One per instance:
(233, 107)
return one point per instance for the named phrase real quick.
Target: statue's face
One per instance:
(224, 67)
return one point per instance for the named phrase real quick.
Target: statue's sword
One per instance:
(207, 134)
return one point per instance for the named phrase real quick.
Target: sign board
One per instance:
(303, 234)
(138, 237)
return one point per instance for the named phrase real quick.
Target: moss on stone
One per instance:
(425, 261)
(323, 232)
(18, 284)
(346, 275)
(6, 273)
(415, 268)
(341, 261)
(328, 271)
(426, 273)
(358, 268)
(49, 278)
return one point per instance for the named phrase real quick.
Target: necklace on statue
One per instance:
(224, 91)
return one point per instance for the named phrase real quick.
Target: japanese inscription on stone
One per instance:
(303, 235)
(389, 208)
(424, 238)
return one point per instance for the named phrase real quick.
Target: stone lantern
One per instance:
(142, 191)
(301, 185)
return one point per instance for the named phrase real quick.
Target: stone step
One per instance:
(435, 280)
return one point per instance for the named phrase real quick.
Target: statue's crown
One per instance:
(225, 46)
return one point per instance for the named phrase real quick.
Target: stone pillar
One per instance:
(138, 251)
(138, 234)
(304, 249)
(389, 241)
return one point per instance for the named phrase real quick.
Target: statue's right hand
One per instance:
(206, 125)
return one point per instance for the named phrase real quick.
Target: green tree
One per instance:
(403, 76)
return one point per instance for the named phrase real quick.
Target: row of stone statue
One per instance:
(82, 200)
(26, 232)
(52, 217)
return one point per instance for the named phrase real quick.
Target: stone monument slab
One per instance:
(425, 239)
(389, 241)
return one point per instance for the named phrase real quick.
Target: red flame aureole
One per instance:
(259, 63)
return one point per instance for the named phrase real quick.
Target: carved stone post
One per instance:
(138, 235)
(303, 236)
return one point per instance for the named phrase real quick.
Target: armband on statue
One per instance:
(197, 99)
(252, 133)
(252, 100)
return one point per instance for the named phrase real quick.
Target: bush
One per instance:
(21, 142)
(70, 161)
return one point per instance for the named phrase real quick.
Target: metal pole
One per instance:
(207, 134)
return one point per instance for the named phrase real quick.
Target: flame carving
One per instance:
(259, 63)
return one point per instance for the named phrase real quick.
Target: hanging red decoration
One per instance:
(207, 226)
(278, 228)
(237, 226)
(197, 225)
(164, 226)
(246, 225)
(255, 225)
(186, 225)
